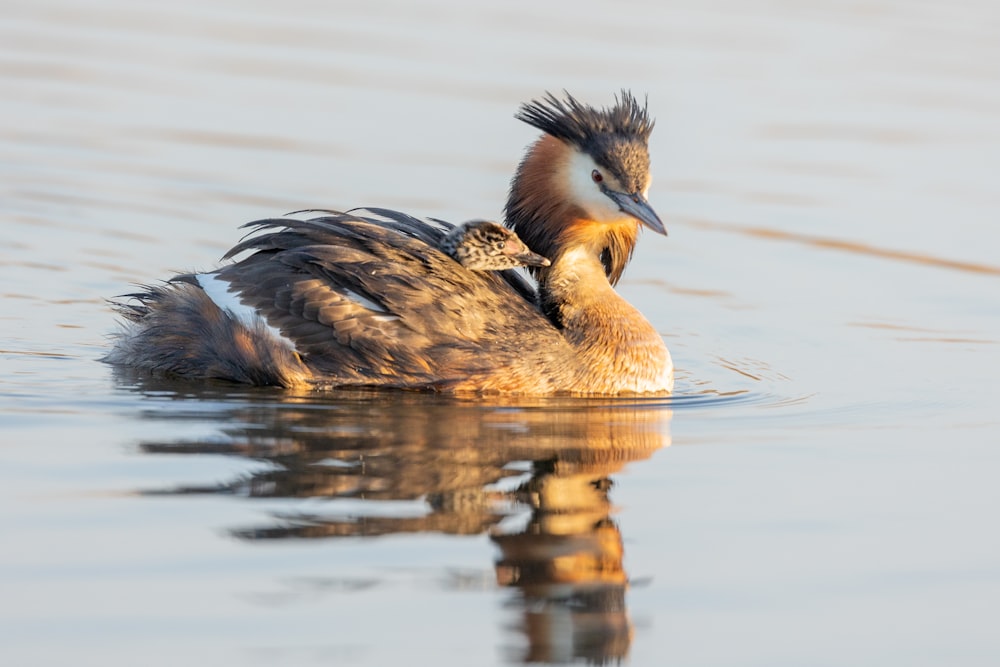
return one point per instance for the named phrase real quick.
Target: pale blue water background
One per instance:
(830, 291)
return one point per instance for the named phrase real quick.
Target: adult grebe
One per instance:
(348, 300)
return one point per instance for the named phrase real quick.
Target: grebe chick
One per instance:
(483, 245)
(369, 298)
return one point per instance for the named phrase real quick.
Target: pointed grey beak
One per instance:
(528, 258)
(638, 207)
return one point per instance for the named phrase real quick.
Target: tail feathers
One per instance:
(176, 329)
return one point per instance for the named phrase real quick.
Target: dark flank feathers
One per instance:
(365, 300)
(176, 329)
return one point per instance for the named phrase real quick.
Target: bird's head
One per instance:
(585, 181)
(482, 245)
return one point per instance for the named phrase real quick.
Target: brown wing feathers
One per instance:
(370, 303)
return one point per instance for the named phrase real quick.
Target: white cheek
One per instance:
(586, 193)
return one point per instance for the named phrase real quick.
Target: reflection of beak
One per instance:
(528, 258)
(638, 207)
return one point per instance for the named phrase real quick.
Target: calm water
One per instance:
(822, 489)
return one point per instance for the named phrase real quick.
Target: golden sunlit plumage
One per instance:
(378, 298)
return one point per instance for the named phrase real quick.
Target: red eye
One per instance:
(596, 175)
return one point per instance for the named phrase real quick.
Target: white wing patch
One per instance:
(218, 291)
(362, 301)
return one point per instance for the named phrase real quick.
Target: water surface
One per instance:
(820, 490)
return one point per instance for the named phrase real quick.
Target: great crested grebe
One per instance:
(374, 299)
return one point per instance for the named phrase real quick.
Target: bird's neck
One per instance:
(619, 347)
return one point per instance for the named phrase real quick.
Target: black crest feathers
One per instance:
(581, 125)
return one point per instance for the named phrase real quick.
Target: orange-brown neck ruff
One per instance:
(541, 210)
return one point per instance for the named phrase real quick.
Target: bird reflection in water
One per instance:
(472, 465)
(567, 564)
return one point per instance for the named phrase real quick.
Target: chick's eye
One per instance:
(596, 175)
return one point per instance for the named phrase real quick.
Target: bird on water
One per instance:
(377, 298)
